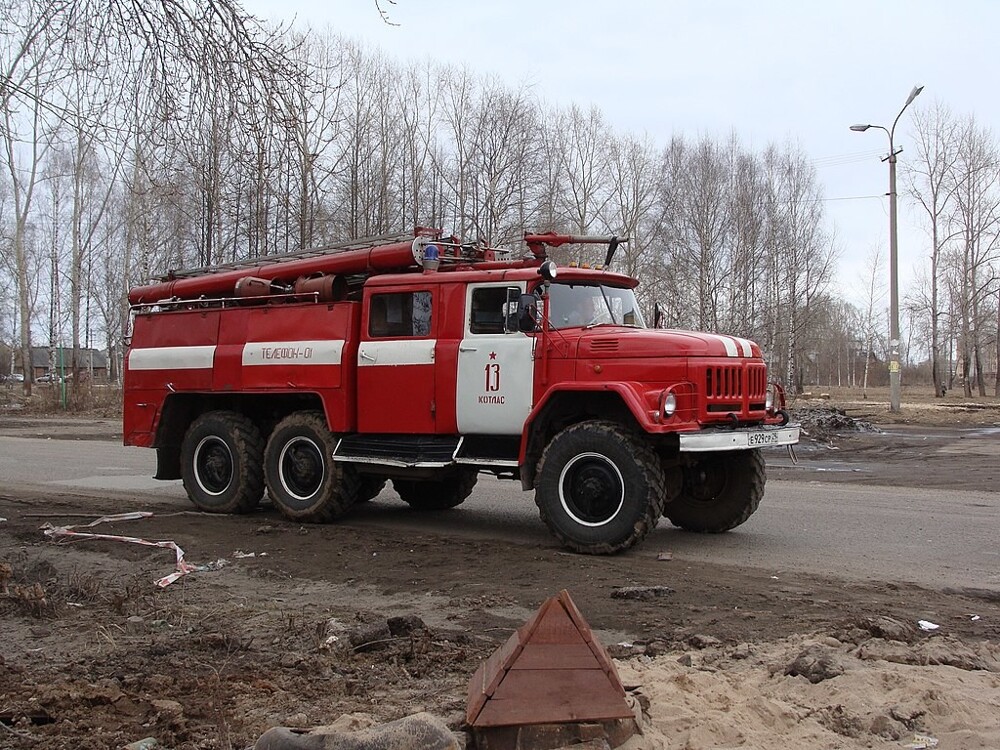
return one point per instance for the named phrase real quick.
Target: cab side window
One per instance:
(492, 309)
(400, 315)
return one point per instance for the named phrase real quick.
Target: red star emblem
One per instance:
(493, 355)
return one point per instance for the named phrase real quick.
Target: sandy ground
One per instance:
(96, 656)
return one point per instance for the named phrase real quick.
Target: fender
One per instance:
(628, 392)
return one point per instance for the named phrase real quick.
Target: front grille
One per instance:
(724, 382)
(736, 388)
(757, 382)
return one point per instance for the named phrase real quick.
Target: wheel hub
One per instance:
(591, 489)
(302, 468)
(213, 465)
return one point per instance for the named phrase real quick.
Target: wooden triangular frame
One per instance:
(551, 670)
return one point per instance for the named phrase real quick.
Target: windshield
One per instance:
(591, 305)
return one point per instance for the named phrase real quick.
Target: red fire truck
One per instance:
(320, 375)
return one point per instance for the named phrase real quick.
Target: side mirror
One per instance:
(527, 313)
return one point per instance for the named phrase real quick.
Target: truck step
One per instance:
(399, 450)
(489, 450)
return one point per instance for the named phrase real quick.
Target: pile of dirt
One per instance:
(837, 690)
(824, 423)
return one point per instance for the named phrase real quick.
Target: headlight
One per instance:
(769, 402)
(668, 404)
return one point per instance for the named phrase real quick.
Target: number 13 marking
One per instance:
(492, 377)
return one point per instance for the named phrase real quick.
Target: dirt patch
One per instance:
(272, 631)
(933, 445)
(295, 625)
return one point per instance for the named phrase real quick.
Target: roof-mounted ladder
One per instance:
(310, 252)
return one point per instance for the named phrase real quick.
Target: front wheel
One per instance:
(437, 494)
(221, 463)
(599, 489)
(719, 492)
(303, 480)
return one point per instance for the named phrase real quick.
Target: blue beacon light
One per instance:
(432, 258)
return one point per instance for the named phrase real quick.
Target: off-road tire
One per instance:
(221, 463)
(721, 490)
(303, 480)
(369, 488)
(599, 488)
(437, 494)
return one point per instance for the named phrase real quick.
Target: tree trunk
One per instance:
(996, 382)
(935, 333)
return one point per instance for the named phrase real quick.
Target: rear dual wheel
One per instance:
(303, 480)
(221, 463)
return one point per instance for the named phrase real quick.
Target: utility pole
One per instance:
(894, 342)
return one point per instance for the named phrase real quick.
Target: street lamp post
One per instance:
(894, 384)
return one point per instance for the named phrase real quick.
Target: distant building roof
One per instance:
(88, 357)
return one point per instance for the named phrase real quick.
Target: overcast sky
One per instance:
(772, 71)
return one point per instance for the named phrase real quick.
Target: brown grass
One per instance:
(917, 406)
(86, 399)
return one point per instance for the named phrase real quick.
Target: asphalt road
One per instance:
(934, 538)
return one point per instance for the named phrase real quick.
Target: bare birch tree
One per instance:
(458, 101)
(802, 256)
(930, 181)
(504, 155)
(418, 94)
(977, 218)
(632, 212)
(871, 317)
(29, 71)
(698, 218)
(582, 142)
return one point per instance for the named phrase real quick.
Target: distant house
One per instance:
(93, 362)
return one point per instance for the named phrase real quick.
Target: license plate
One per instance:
(735, 440)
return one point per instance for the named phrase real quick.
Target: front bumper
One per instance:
(740, 439)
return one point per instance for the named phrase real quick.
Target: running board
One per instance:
(417, 451)
(427, 451)
(498, 462)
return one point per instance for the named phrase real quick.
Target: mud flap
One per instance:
(168, 462)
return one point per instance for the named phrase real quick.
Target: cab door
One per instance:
(494, 394)
(396, 362)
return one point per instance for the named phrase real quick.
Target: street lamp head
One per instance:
(860, 128)
(913, 95)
